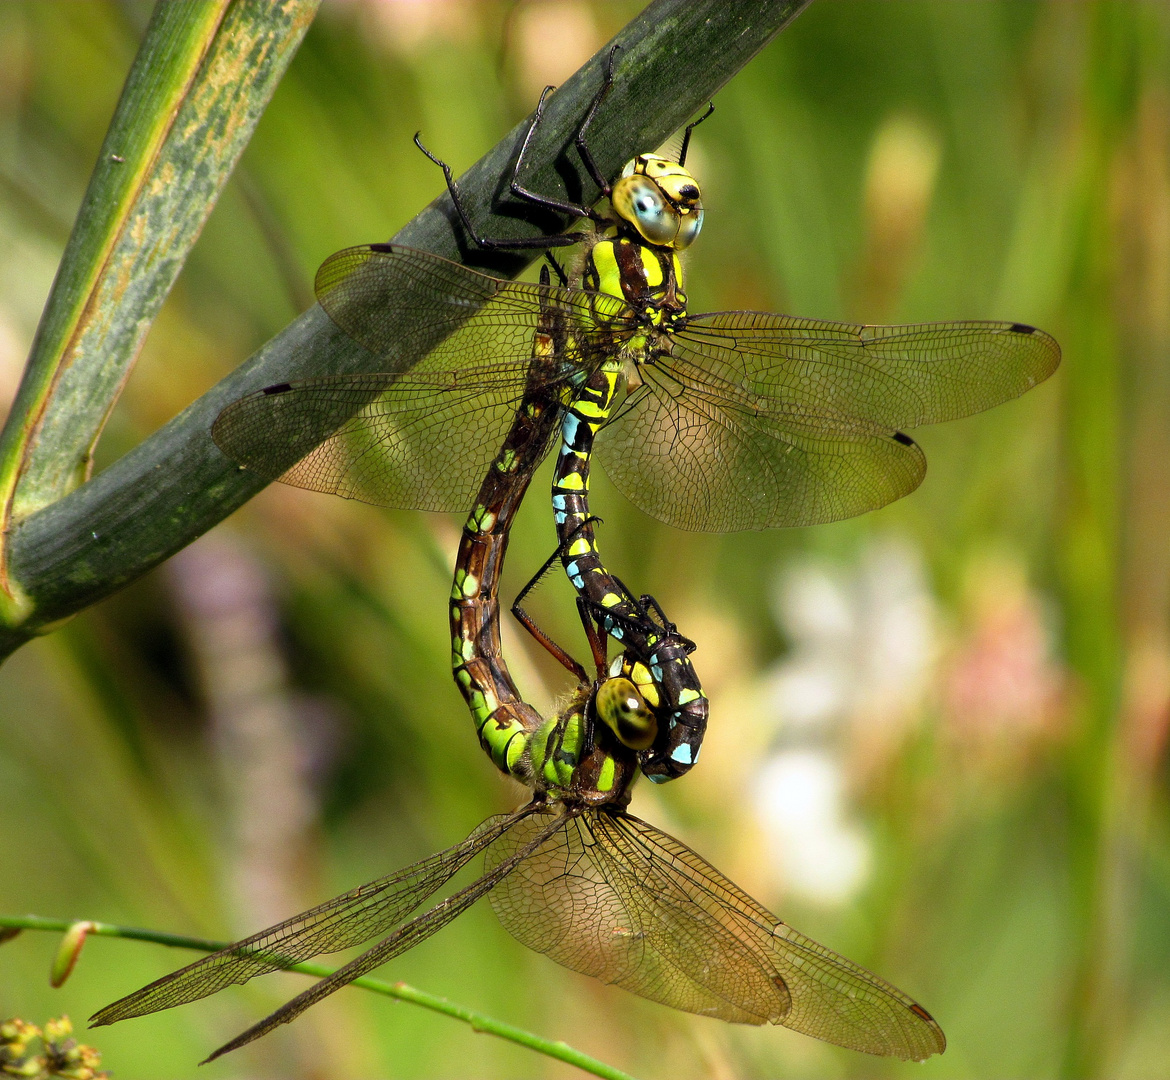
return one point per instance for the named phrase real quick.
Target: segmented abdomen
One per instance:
(655, 658)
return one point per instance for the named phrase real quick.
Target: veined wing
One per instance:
(896, 377)
(670, 927)
(340, 923)
(584, 901)
(416, 441)
(409, 934)
(457, 352)
(831, 998)
(712, 458)
(755, 420)
(400, 303)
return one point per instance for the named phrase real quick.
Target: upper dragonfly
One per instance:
(722, 421)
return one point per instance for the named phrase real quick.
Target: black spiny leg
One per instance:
(492, 242)
(647, 602)
(595, 635)
(686, 143)
(595, 104)
(560, 270)
(560, 206)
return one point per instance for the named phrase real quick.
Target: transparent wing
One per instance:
(404, 938)
(340, 923)
(578, 901)
(893, 376)
(411, 441)
(712, 459)
(456, 350)
(614, 897)
(756, 420)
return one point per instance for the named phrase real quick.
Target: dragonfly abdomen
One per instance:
(504, 722)
(655, 658)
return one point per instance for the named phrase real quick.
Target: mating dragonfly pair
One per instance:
(719, 422)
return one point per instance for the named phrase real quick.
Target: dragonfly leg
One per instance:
(647, 602)
(595, 633)
(587, 119)
(491, 242)
(686, 143)
(530, 624)
(560, 271)
(584, 607)
(559, 205)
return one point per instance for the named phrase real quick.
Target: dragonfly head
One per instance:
(661, 200)
(621, 707)
(667, 681)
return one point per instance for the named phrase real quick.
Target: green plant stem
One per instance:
(176, 485)
(200, 81)
(401, 991)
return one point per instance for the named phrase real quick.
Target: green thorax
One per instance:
(647, 278)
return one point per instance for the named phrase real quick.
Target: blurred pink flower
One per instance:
(1002, 684)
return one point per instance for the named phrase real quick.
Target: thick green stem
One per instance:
(201, 79)
(479, 1021)
(176, 485)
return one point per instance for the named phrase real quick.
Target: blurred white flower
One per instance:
(801, 805)
(863, 644)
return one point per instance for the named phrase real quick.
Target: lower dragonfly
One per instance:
(572, 874)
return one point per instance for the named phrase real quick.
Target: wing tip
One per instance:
(1047, 343)
(939, 1038)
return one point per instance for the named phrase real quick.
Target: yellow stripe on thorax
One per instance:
(652, 267)
(609, 278)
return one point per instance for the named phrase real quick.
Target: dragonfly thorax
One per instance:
(648, 279)
(585, 755)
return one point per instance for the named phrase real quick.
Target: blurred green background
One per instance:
(938, 736)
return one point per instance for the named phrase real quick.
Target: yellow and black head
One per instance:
(660, 200)
(621, 708)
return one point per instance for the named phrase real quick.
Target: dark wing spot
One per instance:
(903, 438)
(1021, 328)
(920, 1011)
(277, 388)
(382, 249)
(784, 993)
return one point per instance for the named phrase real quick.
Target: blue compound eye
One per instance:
(655, 220)
(640, 201)
(688, 229)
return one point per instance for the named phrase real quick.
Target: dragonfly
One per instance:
(717, 422)
(572, 874)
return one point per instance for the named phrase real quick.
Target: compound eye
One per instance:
(650, 213)
(688, 229)
(623, 710)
